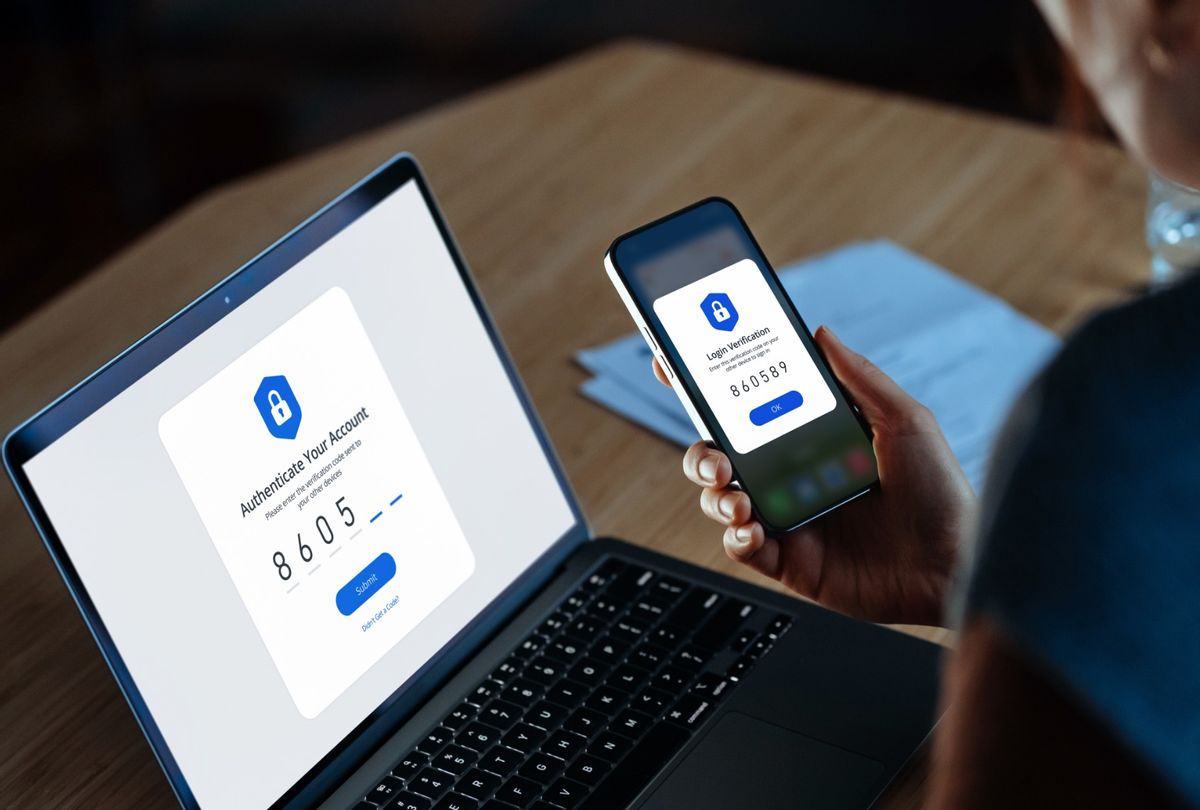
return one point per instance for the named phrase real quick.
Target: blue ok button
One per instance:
(365, 583)
(784, 403)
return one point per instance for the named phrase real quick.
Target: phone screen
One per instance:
(732, 334)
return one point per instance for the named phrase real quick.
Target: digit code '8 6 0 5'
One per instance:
(306, 553)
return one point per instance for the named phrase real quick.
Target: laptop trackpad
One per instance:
(746, 762)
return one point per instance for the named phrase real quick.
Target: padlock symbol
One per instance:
(720, 311)
(277, 405)
(279, 409)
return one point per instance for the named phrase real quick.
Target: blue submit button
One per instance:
(784, 403)
(365, 583)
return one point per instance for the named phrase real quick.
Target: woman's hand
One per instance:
(887, 556)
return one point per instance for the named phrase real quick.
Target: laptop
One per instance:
(277, 514)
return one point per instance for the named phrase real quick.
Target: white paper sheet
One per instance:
(961, 351)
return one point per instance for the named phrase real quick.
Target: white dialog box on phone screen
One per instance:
(318, 498)
(745, 355)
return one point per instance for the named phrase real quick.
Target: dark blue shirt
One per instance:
(1089, 549)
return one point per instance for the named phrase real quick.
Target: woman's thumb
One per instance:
(877, 395)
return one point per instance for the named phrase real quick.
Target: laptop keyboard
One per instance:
(588, 708)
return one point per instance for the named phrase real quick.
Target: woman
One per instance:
(1076, 678)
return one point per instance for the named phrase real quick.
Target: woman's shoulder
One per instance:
(1087, 553)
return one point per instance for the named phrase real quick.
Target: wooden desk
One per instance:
(536, 176)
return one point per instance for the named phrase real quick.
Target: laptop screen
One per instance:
(281, 522)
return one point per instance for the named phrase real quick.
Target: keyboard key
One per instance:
(606, 608)
(409, 766)
(627, 677)
(669, 588)
(500, 760)
(648, 610)
(458, 718)
(501, 714)
(631, 723)
(649, 657)
(521, 691)
(456, 801)
(652, 701)
(635, 771)
(759, 648)
(430, 783)
(694, 609)
(606, 700)
(519, 791)
(667, 636)
(586, 628)
(744, 639)
(546, 715)
(410, 801)
(589, 671)
(565, 650)
(541, 768)
(564, 744)
(629, 582)
(607, 571)
(565, 793)
(585, 722)
(554, 624)
(484, 692)
(364, 805)
(455, 759)
(711, 686)
(576, 601)
(434, 740)
(723, 624)
(630, 629)
(610, 747)
(506, 671)
(739, 668)
(531, 645)
(523, 737)
(478, 737)
(388, 787)
(690, 711)
(544, 670)
(778, 626)
(691, 658)
(495, 804)
(609, 651)
(672, 679)
(567, 693)
(478, 784)
(587, 769)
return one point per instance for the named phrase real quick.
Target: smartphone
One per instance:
(743, 363)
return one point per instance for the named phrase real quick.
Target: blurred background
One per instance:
(118, 112)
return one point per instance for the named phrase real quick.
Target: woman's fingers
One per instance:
(706, 466)
(659, 373)
(883, 402)
(748, 544)
(726, 506)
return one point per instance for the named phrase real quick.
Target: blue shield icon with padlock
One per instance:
(278, 407)
(720, 311)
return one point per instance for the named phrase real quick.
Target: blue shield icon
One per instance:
(720, 311)
(278, 407)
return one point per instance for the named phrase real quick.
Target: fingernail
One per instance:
(828, 333)
(725, 505)
(708, 469)
(744, 533)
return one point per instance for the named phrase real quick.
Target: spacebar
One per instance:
(637, 770)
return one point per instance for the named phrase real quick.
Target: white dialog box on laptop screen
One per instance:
(318, 498)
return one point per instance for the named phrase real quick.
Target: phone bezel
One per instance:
(680, 382)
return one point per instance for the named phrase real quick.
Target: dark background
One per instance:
(116, 113)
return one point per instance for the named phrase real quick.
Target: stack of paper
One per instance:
(961, 351)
